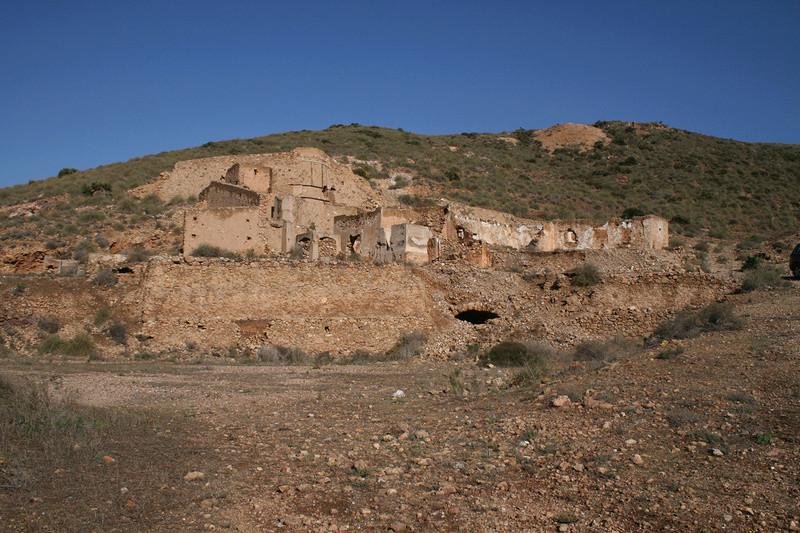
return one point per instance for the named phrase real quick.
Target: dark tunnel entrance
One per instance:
(474, 316)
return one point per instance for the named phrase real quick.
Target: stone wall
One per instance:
(464, 223)
(308, 167)
(312, 306)
(236, 229)
(219, 194)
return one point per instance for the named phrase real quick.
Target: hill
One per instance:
(705, 186)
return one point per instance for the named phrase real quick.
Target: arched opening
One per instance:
(570, 237)
(476, 316)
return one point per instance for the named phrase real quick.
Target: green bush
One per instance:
(51, 344)
(102, 315)
(151, 204)
(66, 172)
(80, 345)
(91, 188)
(91, 216)
(632, 212)
(137, 255)
(751, 262)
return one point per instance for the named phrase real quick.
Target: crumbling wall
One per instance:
(409, 243)
(307, 167)
(236, 229)
(219, 194)
(257, 178)
(467, 224)
(312, 306)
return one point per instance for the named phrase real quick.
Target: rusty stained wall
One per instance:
(468, 223)
(312, 306)
(236, 229)
(641, 233)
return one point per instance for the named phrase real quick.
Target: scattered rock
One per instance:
(194, 476)
(561, 401)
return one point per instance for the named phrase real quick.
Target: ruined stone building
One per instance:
(304, 199)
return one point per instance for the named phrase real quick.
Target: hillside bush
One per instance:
(49, 324)
(595, 351)
(408, 346)
(718, 316)
(762, 277)
(66, 172)
(89, 189)
(275, 354)
(207, 250)
(105, 277)
(585, 275)
(137, 255)
(631, 212)
(532, 356)
(117, 332)
(81, 345)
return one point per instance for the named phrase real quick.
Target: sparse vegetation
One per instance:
(761, 278)
(530, 359)
(80, 345)
(105, 277)
(600, 351)
(408, 346)
(273, 354)
(207, 250)
(718, 316)
(585, 275)
(117, 332)
(49, 324)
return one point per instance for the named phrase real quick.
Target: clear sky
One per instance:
(88, 83)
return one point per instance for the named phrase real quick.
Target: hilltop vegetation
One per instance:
(729, 188)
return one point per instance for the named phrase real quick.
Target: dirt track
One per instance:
(705, 440)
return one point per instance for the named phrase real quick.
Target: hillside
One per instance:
(706, 186)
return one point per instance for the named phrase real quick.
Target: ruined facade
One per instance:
(305, 201)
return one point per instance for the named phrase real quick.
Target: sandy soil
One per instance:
(702, 440)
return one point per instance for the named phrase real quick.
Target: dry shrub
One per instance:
(49, 324)
(408, 346)
(585, 275)
(274, 354)
(762, 277)
(531, 359)
(718, 316)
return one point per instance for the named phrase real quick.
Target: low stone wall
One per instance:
(313, 306)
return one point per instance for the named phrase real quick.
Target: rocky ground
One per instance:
(696, 435)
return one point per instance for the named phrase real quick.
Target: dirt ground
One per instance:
(662, 440)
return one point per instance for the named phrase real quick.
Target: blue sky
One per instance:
(89, 83)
